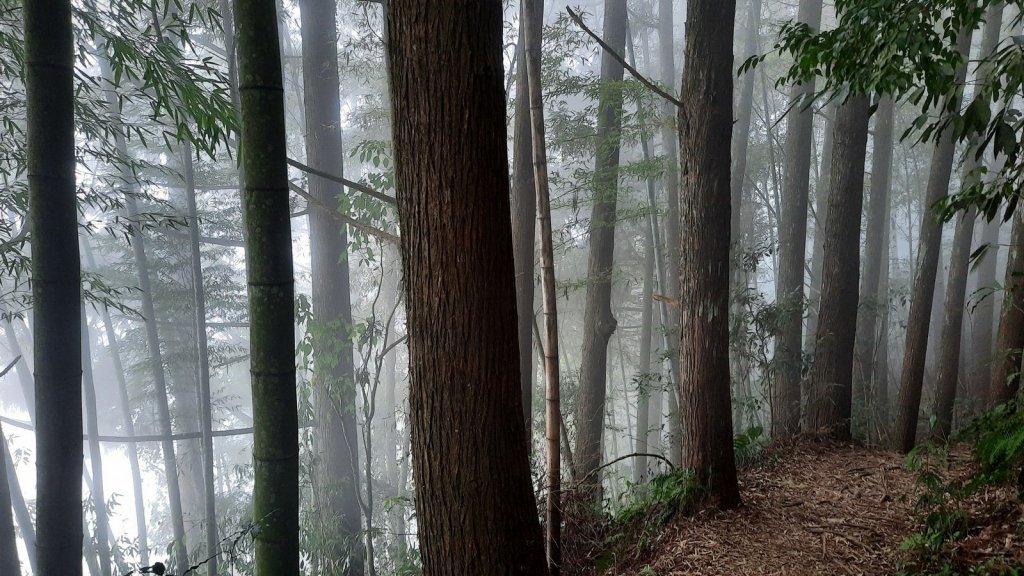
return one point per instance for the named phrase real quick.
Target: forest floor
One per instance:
(815, 509)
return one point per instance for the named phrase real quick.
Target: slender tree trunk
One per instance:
(524, 208)
(741, 136)
(21, 512)
(984, 317)
(126, 416)
(202, 367)
(818, 250)
(950, 365)
(670, 145)
(9, 564)
(598, 320)
(929, 247)
(534, 19)
(1007, 365)
(705, 128)
(335, 390)
(792, 248)
(458, 270)
(97, 492)
(952, 326)
(643, 377)
(865, 345)
(56, 285)
(271, 288)
(881, 399)
(832, 372)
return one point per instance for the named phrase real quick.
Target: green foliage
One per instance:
(998, 439)
(748, 445)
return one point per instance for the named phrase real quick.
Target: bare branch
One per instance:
(633, 71)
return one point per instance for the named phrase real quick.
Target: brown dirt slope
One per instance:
(810, 509)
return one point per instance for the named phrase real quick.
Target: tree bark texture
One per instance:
(56, 285)
(337, 481)
(271, 288)
(929, 247)
(475, 507)
(829, 405)
(705, 128)
(792, 248)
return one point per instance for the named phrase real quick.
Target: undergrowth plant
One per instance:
(998, 441)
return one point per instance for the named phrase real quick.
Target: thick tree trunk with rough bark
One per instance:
(866, 348)
(705, 127)
(337, 480)
(524, 209)
(271, 288)
(929, 247)
(448, 106)
(1006, 366)
(983, 329)
(56, 285)
(598, 320)
(792, 248)
(829, 404)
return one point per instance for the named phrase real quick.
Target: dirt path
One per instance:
(813, 510)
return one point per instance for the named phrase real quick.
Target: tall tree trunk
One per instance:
(881, 367)
(1007, 364)
(458, 271)
(126, 417)
(950, 364)
(598, 321)
(202, 367)
(831, 376)
(818, 249)
(271, 288)
(919, 320)
(524, 208)
(952, 325)
(534, 16)
(705, 126)
(792, 248)
(645, 382)
(9, 563)
(156, 363)
(670, 145)
(56, 285)
(338, 431)
(741, 135)
(984, 321)
(865, 346)
(97, 492)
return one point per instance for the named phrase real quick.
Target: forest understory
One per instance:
(819, 508)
